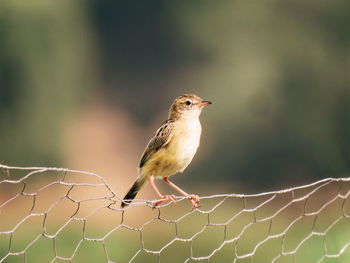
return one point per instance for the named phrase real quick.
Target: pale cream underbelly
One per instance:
(170, 160)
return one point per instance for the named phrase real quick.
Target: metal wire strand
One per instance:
(46, 208)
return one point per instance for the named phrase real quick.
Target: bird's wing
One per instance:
(162, 138)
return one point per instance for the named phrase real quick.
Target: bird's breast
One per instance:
(178, 153)
(187, 139)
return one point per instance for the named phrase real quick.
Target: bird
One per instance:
(171, 149)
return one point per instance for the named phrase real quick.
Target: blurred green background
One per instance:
(85, 84)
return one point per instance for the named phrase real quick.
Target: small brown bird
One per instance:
(171, 149)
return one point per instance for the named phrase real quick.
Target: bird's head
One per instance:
(187, 105)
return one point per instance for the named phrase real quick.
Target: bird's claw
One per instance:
(194, 199)
(165, 198)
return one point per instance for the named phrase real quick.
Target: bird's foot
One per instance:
(165, 198)
(194, 199)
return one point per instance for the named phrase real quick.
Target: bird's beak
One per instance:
(205, 103)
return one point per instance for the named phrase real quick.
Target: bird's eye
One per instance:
(188, 102)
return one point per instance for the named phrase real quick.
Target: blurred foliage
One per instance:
(277, 72)
(43, 74)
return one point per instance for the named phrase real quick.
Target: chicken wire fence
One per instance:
(63, 215)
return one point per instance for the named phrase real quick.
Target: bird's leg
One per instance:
(160, 196)
(194, 199)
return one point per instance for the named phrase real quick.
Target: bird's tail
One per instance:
(135, 188)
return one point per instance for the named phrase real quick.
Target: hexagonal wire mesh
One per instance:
(62, 215)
